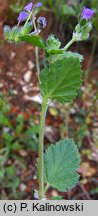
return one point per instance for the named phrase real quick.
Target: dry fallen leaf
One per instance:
(87, 170)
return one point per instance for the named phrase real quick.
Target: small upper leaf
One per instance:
(33, 39)
(52, 43)
(52, 49)
(62, 79)
(60, 164)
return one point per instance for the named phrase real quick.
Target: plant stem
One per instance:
(69, 44)
(29, 17)
(41, 149)
(36, 52)
(46, 188)
(37, 61)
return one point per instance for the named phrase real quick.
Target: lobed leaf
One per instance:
(60, 164)
(62, 79)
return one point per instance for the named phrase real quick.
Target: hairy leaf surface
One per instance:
(61, 80)
(33, 39)
(60, 164)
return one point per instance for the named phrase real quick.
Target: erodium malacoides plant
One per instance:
(59, 81)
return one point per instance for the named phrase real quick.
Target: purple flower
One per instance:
(27, 9)
(87, 13)
(22, 16)
(39, 4)
(42, 22)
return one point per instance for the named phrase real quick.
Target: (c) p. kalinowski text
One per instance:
(51, 207)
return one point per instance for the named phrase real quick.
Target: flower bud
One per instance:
(85, 36)
(26, 29)
(78, 28)
(13, 34)
(82, 30)
(6, 32)
(52, 43)
(41, 22)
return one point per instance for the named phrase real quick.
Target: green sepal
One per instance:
(13, 34)
(26, 29)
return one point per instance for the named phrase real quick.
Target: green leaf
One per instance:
(19, 121)
(52, 43)
(16, 8)
(11, 171)
(60, 164)
(4, 120)
(7, 137)
(67, 10)
(56, 198)
(52, 49)
(55, 51)
(34, 40)
(94, 191)
(74, 55)
(2, 172)
(61, 80)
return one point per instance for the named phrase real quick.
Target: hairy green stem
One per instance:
(69, 44)
(36, 52)
(46, 188)
(29, 17)
(37, 61)
(41, 149)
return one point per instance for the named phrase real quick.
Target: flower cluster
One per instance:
(31, 26)
(23, 15)
(84, 27)
(29, 11)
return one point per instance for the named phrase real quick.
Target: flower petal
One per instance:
(28, 7)
(22, 16)
(39, 4)
(87, 13)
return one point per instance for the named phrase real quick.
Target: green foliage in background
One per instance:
(13, 138)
